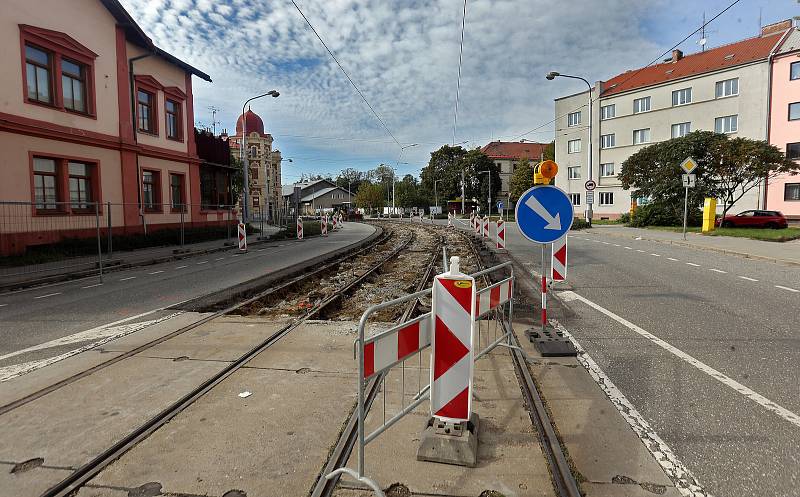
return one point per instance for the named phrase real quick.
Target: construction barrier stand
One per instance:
(242, 237)
(299, 228)
(501, 234)
(324, 225)
(558, 261)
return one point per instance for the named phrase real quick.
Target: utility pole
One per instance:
(462, 193)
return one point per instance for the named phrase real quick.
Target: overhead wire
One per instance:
(458, 80)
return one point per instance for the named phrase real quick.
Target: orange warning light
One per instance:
(548, 169)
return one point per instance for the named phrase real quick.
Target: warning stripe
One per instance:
(392, 346)
(501, 234)
(493, 296)
(558, 261)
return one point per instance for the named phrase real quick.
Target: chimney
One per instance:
(677, 55)
(776, 27)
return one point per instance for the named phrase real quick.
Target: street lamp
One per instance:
(551, 76)
(245, 209)
(489, 205)
(402, 148)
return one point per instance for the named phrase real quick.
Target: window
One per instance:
(176, 192)
(173, 112)
(573, 118)
(606, 198)
(641, 105)
(681, 129)
(38, 74)
(727, 88)
(794, 71)
(794, 111)
(253, 151)
(574, 172)
(80, 185)
(573, 146)
(45, 192)
(607, 169)
(608, 111)
(641, 136)
(73, 85)
(793, 151)
(150, 191)
(682, 97)
(607, 141)
(214, 187)
(727, 124)
(575, 198)
(791, 191)
(145, 111)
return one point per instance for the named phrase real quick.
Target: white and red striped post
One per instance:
(485, 228)
(544, 302)
(501, 234)
(558, 260)
(299, 228)
(242, 237)
(323, 223)
(449, 220)
(335, 224)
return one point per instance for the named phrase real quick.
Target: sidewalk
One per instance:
(785, 252)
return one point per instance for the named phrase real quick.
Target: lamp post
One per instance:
(245, 209)
(489, 205)
(551, 76)
(395, 166)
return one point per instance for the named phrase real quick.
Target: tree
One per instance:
(477, 182)
(350, 178)
(521, 179)
(550, 151)
(446, 166)
(370, 196)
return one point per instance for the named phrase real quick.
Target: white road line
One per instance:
(219, 259)
(156, 272)
(718, 270)
(128, 278)
(684, 480)
(656, 255)
(616, 245)
(673, 259)
(628, 248)
(705, 368)
(91, 286)
(3, 305)
(260, 250)
(48, 295)
(181, 267)
(778, 286)
(639, 250)
(606, 243)
(202, 262)
(236, 255)
(748, 279)
(692, 264)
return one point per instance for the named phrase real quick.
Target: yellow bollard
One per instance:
(709, 214)
(634, 205)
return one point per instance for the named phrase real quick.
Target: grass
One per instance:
(764, 234)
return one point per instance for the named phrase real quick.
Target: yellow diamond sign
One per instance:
(688, 165)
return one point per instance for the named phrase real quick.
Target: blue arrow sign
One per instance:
(499, 205)
(544, 214)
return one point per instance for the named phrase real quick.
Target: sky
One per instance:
(403, 56)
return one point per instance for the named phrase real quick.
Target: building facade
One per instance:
(264, 164)
(783, 192)
(723, 89)
(92, 112)
(315, 197)
(506, 156)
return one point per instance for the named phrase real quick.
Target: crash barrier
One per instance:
(379, 353)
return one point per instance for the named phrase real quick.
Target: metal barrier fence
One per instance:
(379, 353)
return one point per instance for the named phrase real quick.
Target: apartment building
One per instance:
(506, 156)
(724, 89)
(783, 192)
(92, 111)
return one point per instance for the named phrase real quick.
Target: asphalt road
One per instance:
(41, 315)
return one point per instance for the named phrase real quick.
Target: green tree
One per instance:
(550, 151)
(521, 179)
(351, 178)
(477, 182)
(370, 196)
(446, 166)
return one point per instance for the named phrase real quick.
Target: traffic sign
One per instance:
(688, 180)
(589, 197)
(590, 185)
(688, 165)
(499, 205)
(544, 214)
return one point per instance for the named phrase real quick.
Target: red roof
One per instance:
(734, 54)
(254, 123)
(514, 150)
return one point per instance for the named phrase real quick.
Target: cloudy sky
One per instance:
(403, 55)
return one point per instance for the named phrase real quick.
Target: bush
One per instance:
(625, 218)
(659, 214)
(579, 224)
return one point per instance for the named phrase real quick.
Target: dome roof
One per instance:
(254, 123)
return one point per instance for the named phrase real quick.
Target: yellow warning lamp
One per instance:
(544, 172)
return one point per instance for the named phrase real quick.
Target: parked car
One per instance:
(754, 219)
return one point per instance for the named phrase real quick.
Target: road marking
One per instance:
(48, 295)
(684, 480)
(718, 270)
(705, 368)
(128, 278)
(236, 255)
(181, 267)
(91, 286)
(3, 305)
(639, 250)
(606, 243)
(776, 286)
(673, 259)
(156, 272)
(748, 279)
(616, 245)
(656, 255)
(202, 262)
(628, 248)
(692, 264)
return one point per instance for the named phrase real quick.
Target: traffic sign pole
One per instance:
(685, 209)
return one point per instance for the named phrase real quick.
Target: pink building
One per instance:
(91, 111)
(783, 192)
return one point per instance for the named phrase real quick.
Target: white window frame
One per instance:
(679, 127)
(638, 136)
(571, 148)
(727, 88)
(638, 105)
(604, 172)
(606, 195)
(572, 169)
(682, 96)
(573, 118)
(727, 124)
(608, 141)
(608, 111)
(573, 197)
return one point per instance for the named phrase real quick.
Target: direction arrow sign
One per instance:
(499, 205)
(544, 213)
(688, 165)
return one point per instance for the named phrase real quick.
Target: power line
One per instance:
(458, 81)
(346, 75)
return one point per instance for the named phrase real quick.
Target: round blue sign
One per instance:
(544, 214)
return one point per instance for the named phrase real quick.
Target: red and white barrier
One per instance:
(451, 348)
(501, 235)
(335, 223)
(449, 220)
(323, 223)
(242, 237)
(485, 228)
(472, 219)
(390, 347)
(299, 228)
(558, 261)
(493, 296)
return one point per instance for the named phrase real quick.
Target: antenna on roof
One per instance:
(703, 31)
(214, 121)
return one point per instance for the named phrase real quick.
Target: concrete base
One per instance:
(448, 444)
(551, 342)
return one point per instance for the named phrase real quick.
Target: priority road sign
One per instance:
(590, 185)
(544, 213)
(688, 165)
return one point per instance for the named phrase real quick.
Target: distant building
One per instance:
(724, 89)
(265, 165)
(506, 156)
(315, 197)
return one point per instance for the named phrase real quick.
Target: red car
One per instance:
(754, 219)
